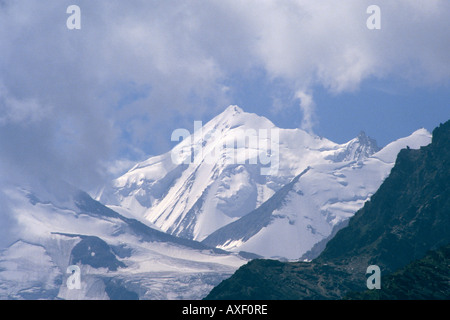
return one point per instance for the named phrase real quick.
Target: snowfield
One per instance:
(118, 256)
(220, 202)
(175, 229)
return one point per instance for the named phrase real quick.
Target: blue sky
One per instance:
(74, 103)
(385, 109)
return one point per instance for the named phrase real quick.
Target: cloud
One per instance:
(8, 225)
(307, 107)
(13, 110)
(73, 100)
(325, 43)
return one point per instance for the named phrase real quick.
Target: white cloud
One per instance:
(307, 106)
(328, 43)
(13, 110)
(66, 83)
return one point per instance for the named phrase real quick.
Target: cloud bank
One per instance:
(72, 100)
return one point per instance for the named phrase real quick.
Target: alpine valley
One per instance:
(171, 229)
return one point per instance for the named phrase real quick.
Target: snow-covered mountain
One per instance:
(312, 205)
(194, 198)
(119, 257)
(179, 223)
(241, 183)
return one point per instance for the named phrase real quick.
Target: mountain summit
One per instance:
(239, 168)
(357, 149)
(218, 176)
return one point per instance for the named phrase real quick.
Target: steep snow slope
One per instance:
(224, 173)
(212, 186)
(119, 257)
(305, 211)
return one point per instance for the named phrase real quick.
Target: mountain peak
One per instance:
(421, 131)
(357, 149)
(232, 110)
(234, 116)
(362, 135)
(367, 141)
(230, 113)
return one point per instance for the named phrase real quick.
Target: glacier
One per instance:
(174, 230)
(220, 203)
(119, 257)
